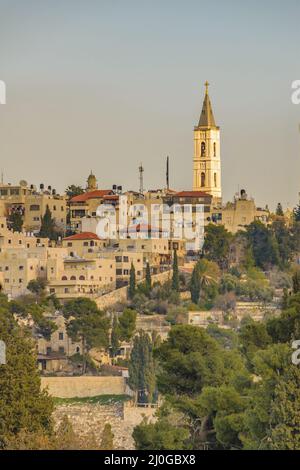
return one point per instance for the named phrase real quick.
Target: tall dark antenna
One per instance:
(141, 171)
(167, 174)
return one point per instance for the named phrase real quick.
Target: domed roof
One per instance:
(91, 182)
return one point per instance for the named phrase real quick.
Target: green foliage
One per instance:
(195, 285)
(87, 323)
(216, 244)
(285, 241)
(161, 435)
(263, 245)
(228, 339)
(203, 284)
(37, 286)
(233, 390)
(48, 227)
(142, 367)
(115, 336)
(297, 213)
(127, 322)
(148, 281)
(296, 282)
(252, 286)
(73, 191)
(287, 326)
(189, 360)
(43, 324)
(132, 282)
(269, 366)
(15, 222)
(285, 412)
(107, 438)
(175, 276)
(66, 436)
(23, 406)
(254, 336)
(225, 302)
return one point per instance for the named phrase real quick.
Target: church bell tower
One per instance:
(207, 160)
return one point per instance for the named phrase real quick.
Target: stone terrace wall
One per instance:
(120, 295)
(85, 386)
(90, 419)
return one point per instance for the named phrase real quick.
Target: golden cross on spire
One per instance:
(206, 87)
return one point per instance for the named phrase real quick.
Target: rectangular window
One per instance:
(60, 336)
(34, 207)
(14, 192)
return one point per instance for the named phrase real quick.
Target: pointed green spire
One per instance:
(207, 116)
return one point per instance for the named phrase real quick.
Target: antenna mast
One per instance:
(141, 171)
(167, 173)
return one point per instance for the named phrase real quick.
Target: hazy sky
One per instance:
(106, 84)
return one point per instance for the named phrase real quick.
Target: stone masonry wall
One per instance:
(85, 386)
(120, 295)
(90, 419)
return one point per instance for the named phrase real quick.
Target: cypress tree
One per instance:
(175, 278)
(148, 277)
(195, 285)
(107, 438)
(115, 336)
(48, 225)
(23, 406)
(142, 377)
(132, 282)
(296, 282)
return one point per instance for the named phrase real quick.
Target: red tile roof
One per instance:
(111, 196)
(98, 193)
(83, 236)
(192, 194)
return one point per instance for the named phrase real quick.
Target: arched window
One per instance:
(202, 180)
(81, 278)
(73, 278)
(215, 179)
(64, 278)
(215, 149)
(202, 149)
